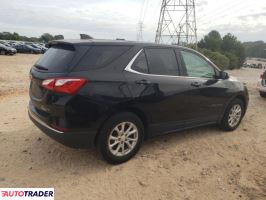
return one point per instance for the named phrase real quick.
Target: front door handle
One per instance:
(143, 82)
(196, 84)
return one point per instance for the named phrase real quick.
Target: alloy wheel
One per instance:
(234, 115)
(123, 139)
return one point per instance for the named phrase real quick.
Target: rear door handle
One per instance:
(143, 82)
(195, 84)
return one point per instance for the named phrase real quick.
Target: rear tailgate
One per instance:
(54, 63)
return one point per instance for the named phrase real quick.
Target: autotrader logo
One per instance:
(27, 193)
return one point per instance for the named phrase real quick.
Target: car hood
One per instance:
(233, 78)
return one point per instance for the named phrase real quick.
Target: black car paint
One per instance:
(164, 103)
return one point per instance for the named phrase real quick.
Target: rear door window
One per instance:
(100, 56)
(162, 61)
(56, 59)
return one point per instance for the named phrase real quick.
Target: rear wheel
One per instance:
(263, 94)
(233, 115)
(120, 137)
(2, 52)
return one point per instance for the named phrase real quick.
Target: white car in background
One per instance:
(262, 85)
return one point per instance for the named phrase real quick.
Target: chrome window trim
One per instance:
(129, 69)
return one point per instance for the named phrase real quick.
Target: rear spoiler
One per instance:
(58, 42)
(61, 44)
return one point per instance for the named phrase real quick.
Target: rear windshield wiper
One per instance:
(40, 67)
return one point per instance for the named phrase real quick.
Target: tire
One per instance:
(110, 142)
(263, 94)
(2, 52)
(228, 123)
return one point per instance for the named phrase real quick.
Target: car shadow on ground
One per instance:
(44, 151)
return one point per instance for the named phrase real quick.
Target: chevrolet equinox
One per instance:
(115, 94)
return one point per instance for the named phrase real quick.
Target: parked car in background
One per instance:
(37, 46)
(113, 94)
(5, 50)
(24, 48)
(262, 85)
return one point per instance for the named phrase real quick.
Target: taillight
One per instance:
(64, 85)
(262, 76)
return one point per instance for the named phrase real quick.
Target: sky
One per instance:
(112, 19)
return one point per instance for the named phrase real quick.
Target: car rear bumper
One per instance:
(79, 139)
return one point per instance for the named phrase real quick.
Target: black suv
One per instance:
(114, 94)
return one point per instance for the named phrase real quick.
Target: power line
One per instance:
(140, 31)
(177, 22)
(141, 20)
(219, 10)
(221, 16)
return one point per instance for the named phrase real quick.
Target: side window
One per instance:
(140, 64)
(197, 66)
(99, 56)
(162, 61)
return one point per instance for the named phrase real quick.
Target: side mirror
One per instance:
(224, 75)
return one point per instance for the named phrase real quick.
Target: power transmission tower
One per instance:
(177, 23)
(140, 31)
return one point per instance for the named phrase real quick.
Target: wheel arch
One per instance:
(237, 96)
(140, 114)
(243, 99)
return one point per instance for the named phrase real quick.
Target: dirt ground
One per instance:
(200, 164)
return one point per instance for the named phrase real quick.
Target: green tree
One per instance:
(226, 52)
(255, 49)
(16, 36)
(58, 37)
(46, 37)
(212, 41)
(217, 58)
(232, 45)
(233, 60)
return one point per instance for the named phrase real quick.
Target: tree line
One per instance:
(228, 52)
(255, 49)
(46, 37)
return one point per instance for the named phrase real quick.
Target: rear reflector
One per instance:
(59, 128)
(64, 85)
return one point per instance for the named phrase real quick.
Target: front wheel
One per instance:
(233, 115)
(2, 52)
(120, 137)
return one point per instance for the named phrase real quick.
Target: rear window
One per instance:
(100, 56)
(56, 59)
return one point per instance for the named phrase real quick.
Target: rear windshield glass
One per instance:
(56, 59)
(100, 56)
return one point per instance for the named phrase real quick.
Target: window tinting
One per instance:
(56, 58)
(99, 56)
(197, 66)
(162, 61)
(140, 64)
